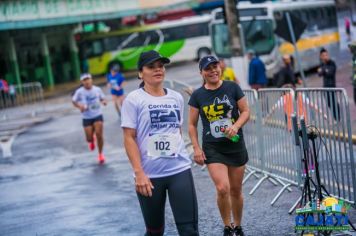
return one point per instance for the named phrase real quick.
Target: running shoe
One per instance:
(101, 158)
(238, 231)
(228, 231)
(91, 145)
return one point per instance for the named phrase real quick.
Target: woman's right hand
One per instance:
(82, 107)
(199, 156)
(143, 184)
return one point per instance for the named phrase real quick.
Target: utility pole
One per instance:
(294, 41)
(233, 21)
(239, 62)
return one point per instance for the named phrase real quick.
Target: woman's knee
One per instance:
(236, 192)
(99, 135)
(223, 189)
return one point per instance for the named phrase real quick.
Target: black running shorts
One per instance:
(225, 153)
(90, 122)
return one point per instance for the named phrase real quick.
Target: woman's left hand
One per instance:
(231, 131)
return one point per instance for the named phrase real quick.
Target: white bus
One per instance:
(258, 22)
(183, 39)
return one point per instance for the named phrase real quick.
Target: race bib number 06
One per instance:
(163, 145)
(216, 127)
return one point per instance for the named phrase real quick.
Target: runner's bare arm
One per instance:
(104, 102)
(244, 113)
(143, 183)
(81, 107)
(199, 155)
(236, 80)
(123, 84)
(102, 98)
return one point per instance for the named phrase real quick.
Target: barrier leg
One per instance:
(252, 172)
(258, 184)
(294, 206)
(284, 184)
(280, 193)
(248, 169)
(273, 181)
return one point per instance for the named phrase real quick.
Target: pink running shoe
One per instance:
(91, 145)
(101, 158)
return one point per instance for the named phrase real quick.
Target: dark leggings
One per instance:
(183, 201)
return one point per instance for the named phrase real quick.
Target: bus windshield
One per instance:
(258, 36)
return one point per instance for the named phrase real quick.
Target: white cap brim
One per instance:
(85, 76)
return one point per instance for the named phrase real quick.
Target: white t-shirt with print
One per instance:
(90, 98)
(157, 121)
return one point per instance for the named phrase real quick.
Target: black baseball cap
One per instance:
(206, 61)
(149, 57)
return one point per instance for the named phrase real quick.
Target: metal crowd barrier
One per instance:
(278, 155)
(252, 140)
(186, 90)
(18, 95)
(327, 114)
(269, 137)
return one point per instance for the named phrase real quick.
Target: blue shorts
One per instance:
(117, 93)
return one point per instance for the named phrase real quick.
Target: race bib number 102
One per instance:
(163, 145)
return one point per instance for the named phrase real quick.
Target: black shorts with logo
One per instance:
(227, 153)
(90, 122)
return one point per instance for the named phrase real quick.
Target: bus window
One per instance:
(319, 18)
(152, 37)
(322, 13)
(259, 36)
(133, 40)
(112, 43)
(278, 15)
(313, 19)
(196, 30)
(307, 18)
(97, 48)
(171, 34)
(186, 31)
(220, 40)
(333, 17)
(324, 18)
(91, 49)
(297, 14)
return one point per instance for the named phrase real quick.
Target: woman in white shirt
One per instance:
(151, 119)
